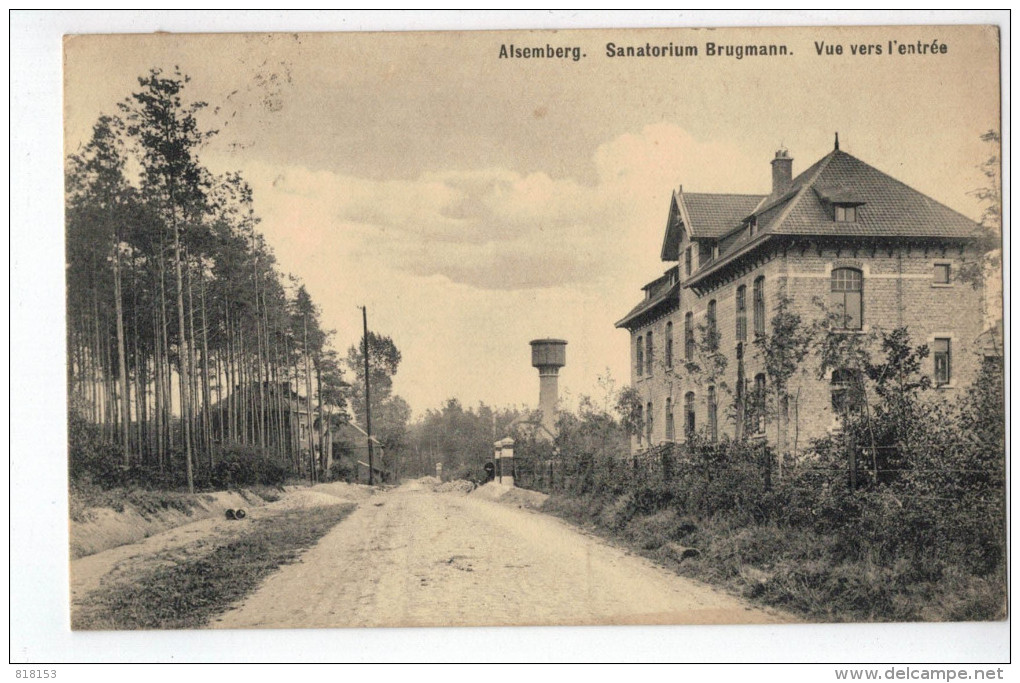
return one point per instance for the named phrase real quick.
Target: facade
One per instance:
(842, 239)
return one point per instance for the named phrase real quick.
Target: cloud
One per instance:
(462, 267)
(495, 228)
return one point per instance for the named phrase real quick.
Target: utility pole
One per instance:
(368, 400)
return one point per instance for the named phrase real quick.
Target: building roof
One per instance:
(704, 216)
(655, 300)
(714, 215)
(886, 208)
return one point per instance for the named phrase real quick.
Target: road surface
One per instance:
(412, 557)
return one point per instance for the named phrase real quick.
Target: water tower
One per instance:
(548, 355)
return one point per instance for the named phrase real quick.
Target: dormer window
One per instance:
(846, 213)
(752, 226)
(715, 251)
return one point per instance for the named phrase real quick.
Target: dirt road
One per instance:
(411, 557)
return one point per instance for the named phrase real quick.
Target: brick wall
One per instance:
(898, 290)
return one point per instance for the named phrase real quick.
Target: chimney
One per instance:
(782, 172)
(548, 355)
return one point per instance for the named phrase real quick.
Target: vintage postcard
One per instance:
(517, 328)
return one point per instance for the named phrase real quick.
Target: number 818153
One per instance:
(35, 673)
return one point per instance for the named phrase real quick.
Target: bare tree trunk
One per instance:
(184, 352)
(158, 376)
(95, 359)
(168, 405)
(259, 366)
(308, 401)
(206, 431)
(197, 428)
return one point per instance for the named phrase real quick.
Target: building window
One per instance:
(689, 415)
(689, 336)
(759, 305)
(758, 405)
(670, 436)
(752, 226)
(669, 344)
(715, 251)
(640, 357)
(648, 423)
(649, 353)
(713, 421)
(713, 341)
(687, 262)
(846, 301)
(943, 362)
(640, 422)
(942, 274)
(845, 389)
(846, 213)
(741, 313)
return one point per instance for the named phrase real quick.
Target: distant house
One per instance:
(350, 447)
(272, 415)
(880, 255)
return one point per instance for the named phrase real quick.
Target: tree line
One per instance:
(183, 336)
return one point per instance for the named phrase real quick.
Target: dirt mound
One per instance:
(524, 498)
(457, 486)
(333, 493)
(354, 493)
(430, 482)
(105, 528)
(305, 499)
(510, 495)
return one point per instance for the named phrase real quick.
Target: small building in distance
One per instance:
(879, 255)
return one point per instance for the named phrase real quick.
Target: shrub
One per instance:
(342, 470)
(240, 465)
(91, 457)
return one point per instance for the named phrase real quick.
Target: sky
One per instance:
(474, 203)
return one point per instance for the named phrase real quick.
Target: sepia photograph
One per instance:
(509, 328)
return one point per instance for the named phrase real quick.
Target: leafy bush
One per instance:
(92, 458)
(240, 465)
(923, 537)
(343, 470)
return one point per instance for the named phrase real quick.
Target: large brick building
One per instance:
(874, 251)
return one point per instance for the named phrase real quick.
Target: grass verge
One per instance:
(798, 570)
(188, 592)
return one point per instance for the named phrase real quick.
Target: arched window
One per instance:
(669, 344)
(742, 313)
(648, 423)
(689, 414)
(713, 420)
(845, 389)
(759, 305)
(689, 336)
(670, 434)
(640, 352)
(845, 299)
(712, 336)
(649, 352)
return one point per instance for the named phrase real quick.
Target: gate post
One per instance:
(505, 461)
